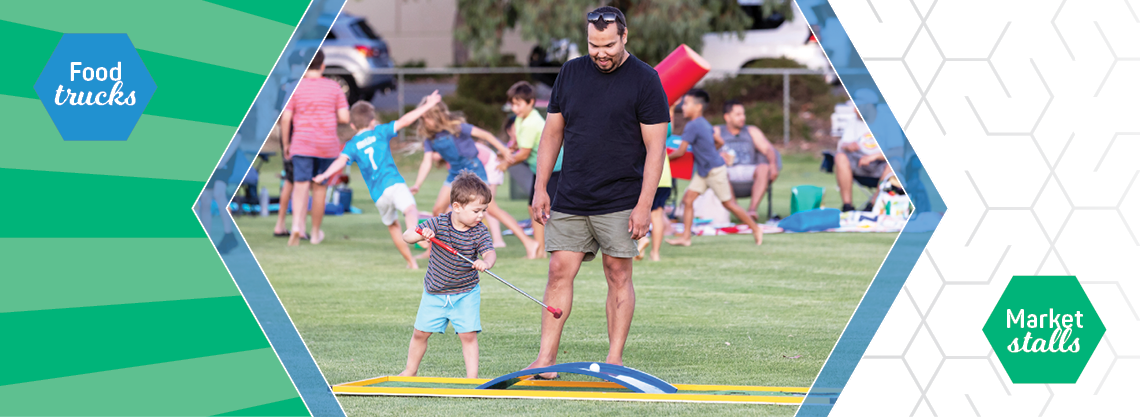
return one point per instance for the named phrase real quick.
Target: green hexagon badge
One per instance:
(1044, 329)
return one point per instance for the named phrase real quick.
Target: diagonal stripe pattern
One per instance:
(112, 294)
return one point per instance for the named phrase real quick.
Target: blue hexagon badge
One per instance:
(95, 86)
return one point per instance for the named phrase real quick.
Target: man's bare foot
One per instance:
(406, 373)
(413, 265)
(294, 238)
(317, 237)
(548, 375)
(680, 242)
(531, 249)
(655, 256)
(499, 244)
(425, 255)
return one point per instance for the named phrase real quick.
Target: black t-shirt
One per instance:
(603, 151)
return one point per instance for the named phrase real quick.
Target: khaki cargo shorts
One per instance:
(586, 234)
(717, 180)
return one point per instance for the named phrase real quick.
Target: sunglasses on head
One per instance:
(609, 17)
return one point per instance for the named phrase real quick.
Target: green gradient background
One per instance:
(113, 301)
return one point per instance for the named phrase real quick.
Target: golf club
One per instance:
(557, 312)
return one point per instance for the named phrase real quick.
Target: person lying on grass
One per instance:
(451, 285)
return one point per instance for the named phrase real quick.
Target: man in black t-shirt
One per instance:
(609, 113)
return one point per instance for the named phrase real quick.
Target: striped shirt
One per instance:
(450, 274)
(314, 106)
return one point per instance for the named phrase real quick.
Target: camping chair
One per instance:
(868, 183)
(743, 189)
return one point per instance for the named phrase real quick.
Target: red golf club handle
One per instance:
(441, 244)
(557, 312)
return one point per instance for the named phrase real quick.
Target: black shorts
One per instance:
(551, 187)
(661, 197)
(307, 167)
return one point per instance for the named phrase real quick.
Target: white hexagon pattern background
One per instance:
(1026, 114)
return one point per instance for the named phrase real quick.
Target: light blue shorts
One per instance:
(461, 310)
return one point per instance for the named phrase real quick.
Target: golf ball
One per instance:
(595, 368)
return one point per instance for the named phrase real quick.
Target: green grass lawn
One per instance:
(720, 312)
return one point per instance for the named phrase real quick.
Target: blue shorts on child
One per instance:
(461, 310)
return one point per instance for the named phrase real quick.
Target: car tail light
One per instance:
(811, 38)
(367, 51)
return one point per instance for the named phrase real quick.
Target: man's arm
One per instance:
(717, 140)
(547, 156)
(342, 116)
(765, 147)
(654, 137)
(286, 129)
(877, 156)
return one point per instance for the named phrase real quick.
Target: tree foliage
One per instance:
(656, 27)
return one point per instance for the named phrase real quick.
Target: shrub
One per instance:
(489, 88)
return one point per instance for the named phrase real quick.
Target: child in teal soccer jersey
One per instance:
(371, 151)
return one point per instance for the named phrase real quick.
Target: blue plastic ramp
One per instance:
(633, 379)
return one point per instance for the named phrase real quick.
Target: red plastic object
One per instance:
(681, 168)
(557, 312)
(680, 71)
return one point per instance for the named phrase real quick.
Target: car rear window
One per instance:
(362, 29)
(330, 35)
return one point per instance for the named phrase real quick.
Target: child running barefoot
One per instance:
(451, 286)
(371, 151)
(453, 140)
(711, 171)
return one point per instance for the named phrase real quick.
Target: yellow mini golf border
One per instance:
(362, 388)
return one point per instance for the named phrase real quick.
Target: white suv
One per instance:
(770, 36)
